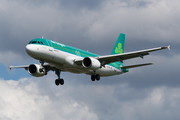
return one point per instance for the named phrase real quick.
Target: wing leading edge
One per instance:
(125, 56)
(107, 59)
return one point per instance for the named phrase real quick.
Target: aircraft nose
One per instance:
(29, 49)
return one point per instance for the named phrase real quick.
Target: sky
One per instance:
(150, 92)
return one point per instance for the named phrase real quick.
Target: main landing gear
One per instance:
(95, 77)
(59, 81)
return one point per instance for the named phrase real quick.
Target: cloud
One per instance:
(163, 72)
(95, 30)
(153, 22)
(94, 4)
(29, 99)
(7, 58)
(23, 100)
(143, 93)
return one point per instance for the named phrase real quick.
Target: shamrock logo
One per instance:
(119, 48)
(77, 53)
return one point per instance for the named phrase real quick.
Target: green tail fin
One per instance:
(119, 46)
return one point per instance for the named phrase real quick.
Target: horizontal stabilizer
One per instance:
(133, 66)
(24, 66)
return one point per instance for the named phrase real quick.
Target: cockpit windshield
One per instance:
(36, 42)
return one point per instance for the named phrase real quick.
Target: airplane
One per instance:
(59, 57)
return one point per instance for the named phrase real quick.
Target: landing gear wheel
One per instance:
(97, 77)
(93, 77)
(61, 81)
(57, 82)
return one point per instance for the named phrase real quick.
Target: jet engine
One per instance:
(36, 70)
(91, 63)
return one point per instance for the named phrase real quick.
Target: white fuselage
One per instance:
(64, 61)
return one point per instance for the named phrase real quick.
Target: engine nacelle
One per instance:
(91, 63)
(36, 70)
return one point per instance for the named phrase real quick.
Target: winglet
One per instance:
(168, 47)
(165, 47)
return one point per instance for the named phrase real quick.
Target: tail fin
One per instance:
(119, 46)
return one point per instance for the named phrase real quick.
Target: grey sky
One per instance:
(150, 92)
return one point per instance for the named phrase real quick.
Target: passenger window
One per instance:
(42, 43)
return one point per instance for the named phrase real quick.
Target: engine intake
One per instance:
(91, 63)
(36, 70)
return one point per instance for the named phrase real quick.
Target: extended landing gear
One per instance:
(59, 81)
(42, 64)
(95, 77)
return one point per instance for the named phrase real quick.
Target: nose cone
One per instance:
(30, 50)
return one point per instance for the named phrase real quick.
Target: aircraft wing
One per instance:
(27, 66)
(125, 56)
